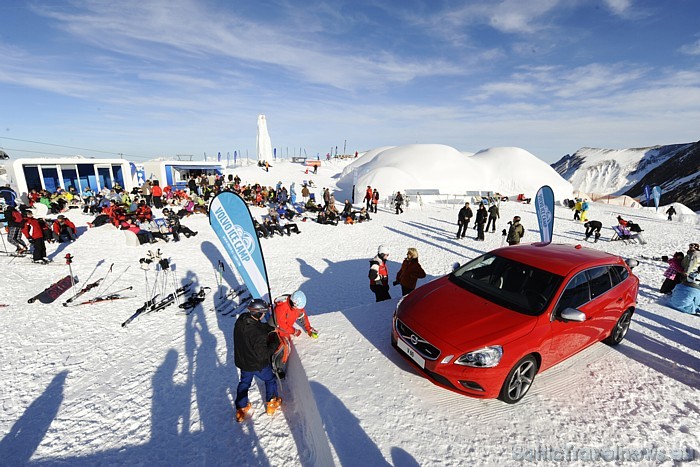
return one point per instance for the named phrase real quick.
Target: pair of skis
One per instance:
(102, 294)
(152, 305)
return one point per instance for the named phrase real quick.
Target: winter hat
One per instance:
(382, 250)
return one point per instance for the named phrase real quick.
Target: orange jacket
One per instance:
(285, 316)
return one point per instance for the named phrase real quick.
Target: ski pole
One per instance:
(69, 260)
(104, 280)
(221, 279)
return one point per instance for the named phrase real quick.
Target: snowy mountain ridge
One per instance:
(599, 172)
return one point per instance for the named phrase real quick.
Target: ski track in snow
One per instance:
(77, 389)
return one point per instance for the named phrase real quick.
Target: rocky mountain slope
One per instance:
(675, 168)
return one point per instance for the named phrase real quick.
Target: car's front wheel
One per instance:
(619, 332)
(519, 380)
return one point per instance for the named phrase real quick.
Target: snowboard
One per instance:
(53, 291)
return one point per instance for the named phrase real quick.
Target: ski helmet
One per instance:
(382, 250)
(298, 299)
(257, 307)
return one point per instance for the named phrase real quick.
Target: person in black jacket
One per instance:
(463, 218)
(254, 342)
(593, 228)
(480, 221)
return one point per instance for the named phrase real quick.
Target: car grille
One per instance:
(425, 348)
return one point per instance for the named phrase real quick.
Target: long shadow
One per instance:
(649, 356)
(437, 245)
(673, 335)
(341, 425)
(667, 322)
(18, 446)
(225, 323)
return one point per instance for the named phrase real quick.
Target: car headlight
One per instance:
(487, 357)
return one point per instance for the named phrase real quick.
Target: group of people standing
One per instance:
(486, 220)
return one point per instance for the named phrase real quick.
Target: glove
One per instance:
(312, 333)
(396, 283)
(297, 332)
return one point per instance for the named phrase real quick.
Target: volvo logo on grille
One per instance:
(414, 339)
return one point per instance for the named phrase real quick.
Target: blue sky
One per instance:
(155, 78)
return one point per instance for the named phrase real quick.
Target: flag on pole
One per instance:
(647, 193)
(235, 156)
(232, 222)
(218, 157)
(656, 193)
(544, 206)
(228, 158)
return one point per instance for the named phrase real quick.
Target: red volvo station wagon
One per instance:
(489, 327)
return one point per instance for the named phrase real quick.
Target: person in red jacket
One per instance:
(143, 212)
(289, 309)
(157, 193)
(379, 274)
(33, 231)
(63, 230)
(368, 198)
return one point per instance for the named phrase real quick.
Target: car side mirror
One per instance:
(572, 314)
(631, 262)
(455, 266)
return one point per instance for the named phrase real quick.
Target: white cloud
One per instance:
(691, 49)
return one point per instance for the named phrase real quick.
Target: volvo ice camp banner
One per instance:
(544, 206)
(647, 193)
(233, 224)
(656, 192)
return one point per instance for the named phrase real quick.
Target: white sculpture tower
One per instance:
(263, 144)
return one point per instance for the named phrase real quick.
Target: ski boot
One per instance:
(274, 404)
(241, 412)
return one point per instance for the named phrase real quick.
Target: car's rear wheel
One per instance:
(519, 380)
(619, 332)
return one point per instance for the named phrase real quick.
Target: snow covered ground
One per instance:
(78, 389)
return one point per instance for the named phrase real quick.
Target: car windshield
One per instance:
(511, 284)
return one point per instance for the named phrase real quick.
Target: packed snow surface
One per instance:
(78, 389)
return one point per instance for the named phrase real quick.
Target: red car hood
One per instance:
(440, 310)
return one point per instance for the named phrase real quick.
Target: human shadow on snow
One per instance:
(18, 446)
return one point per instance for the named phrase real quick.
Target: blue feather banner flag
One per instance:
(544, 206)
(656, 193)
(232, 222)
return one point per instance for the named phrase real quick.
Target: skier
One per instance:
(493, 215)
(288, 310)
(480, 222)
(591, 228)
(15, 222)
(463, 218)
(515, 232)
(379, 274)
(254, 342)
(398, 202)
(410, 272)
(34, 232)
